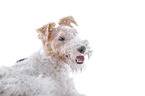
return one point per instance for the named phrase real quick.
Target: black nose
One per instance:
(82, 49)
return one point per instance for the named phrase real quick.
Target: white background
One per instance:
(114, 28)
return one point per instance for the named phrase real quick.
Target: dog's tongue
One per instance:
(80, 58)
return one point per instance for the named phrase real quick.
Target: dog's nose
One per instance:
(82, 49)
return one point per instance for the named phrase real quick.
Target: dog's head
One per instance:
(63, 43)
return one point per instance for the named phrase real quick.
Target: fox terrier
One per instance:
(46, 72)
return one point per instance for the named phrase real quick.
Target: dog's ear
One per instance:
(45, 31)
(67, 21)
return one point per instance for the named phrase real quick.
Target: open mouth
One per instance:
(80, 59)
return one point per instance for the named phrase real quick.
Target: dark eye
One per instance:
(61, 39)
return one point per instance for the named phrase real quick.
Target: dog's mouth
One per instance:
(80, 59)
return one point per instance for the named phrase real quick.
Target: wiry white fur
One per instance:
(42, 75)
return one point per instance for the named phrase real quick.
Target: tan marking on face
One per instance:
(53, 45)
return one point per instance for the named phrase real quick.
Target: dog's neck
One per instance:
(39, 64)
(49, 66)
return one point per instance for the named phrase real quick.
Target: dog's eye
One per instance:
(61, 39)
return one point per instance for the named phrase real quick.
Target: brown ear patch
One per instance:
(51, 29)
(47, 28)
(51, 26)
(46, 31)
(67, 21)
(43, 29)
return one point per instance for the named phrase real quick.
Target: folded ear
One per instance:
(67, 21)
(45, 31)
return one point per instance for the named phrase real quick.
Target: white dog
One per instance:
(46, 72)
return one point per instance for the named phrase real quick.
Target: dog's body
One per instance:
(46, 72)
